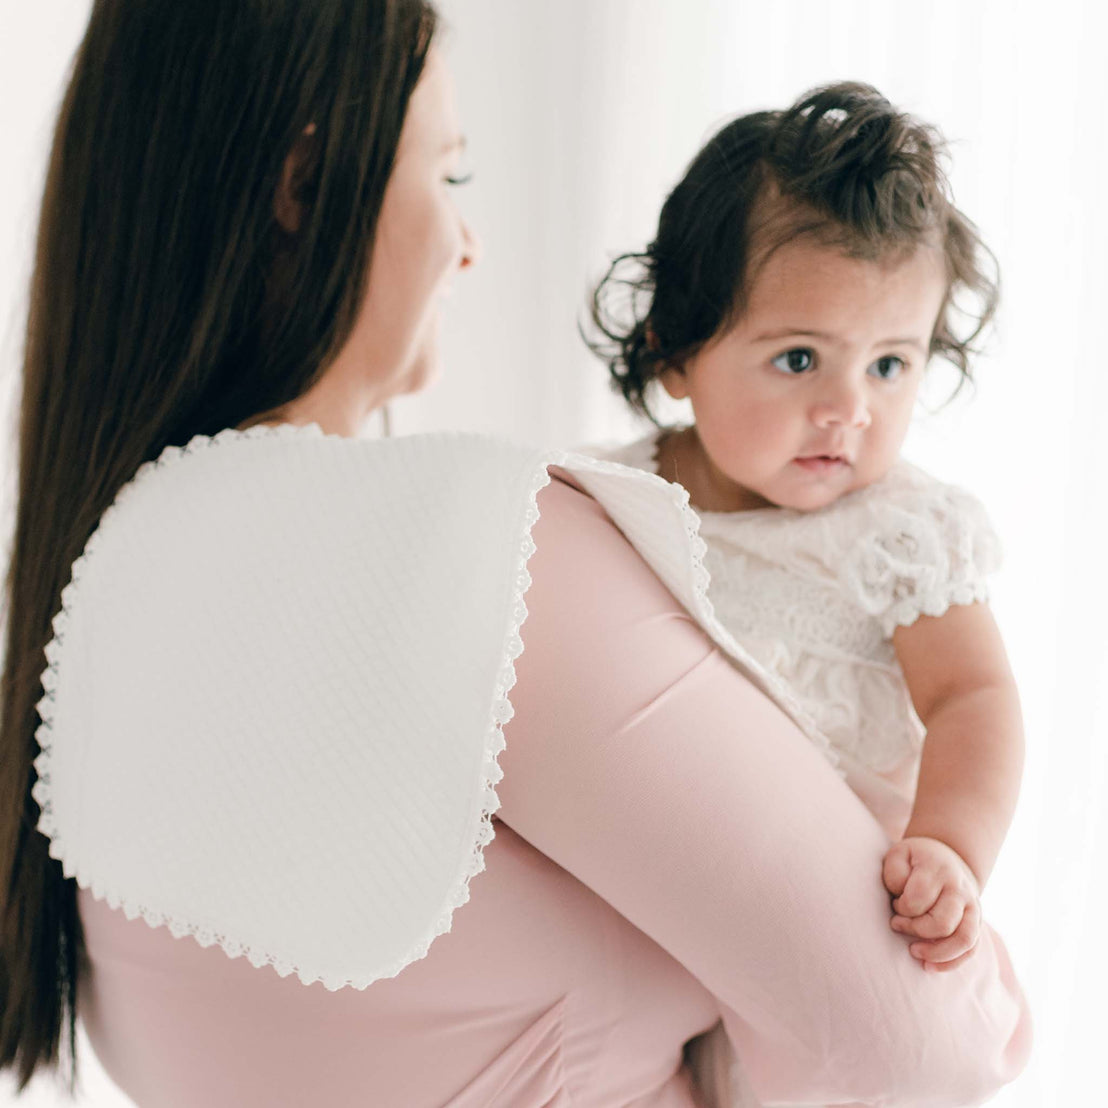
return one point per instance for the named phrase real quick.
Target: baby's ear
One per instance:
(674, 381)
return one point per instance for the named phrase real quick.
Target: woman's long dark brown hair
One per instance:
(167, 302)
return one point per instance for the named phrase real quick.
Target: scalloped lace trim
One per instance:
(936, 603)
(502, 713)
(491, 773)
(676, 493)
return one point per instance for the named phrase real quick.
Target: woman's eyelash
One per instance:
(464, 180)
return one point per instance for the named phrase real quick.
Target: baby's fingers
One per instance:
(946, 967)
(896, 869)
(940, 921)
(955, 946)
(920, 893)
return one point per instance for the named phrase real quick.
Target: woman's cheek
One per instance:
(443, 215)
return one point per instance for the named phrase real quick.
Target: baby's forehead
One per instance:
(806, 282)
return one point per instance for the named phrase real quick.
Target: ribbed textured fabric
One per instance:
(274, 696)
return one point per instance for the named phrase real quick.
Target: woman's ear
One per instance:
(289, 203)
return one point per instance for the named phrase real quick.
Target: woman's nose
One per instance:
(842, 404)
(471, 247)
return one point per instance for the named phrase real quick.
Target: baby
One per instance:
(804, 273)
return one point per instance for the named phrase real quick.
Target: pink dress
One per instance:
(672, 851)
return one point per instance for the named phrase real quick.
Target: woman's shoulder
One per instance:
(641, 453)
(292, 481)
(298, 490)
(297, 481)
(255, 620)
(288, 450)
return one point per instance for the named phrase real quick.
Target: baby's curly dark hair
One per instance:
(842, 165)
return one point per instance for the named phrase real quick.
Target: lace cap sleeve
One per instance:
(921, 546)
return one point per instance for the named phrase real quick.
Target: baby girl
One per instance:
(804, 273)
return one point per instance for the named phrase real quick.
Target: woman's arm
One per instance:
(963, 690)
(645, 765)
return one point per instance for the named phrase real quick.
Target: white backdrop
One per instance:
(581, 115)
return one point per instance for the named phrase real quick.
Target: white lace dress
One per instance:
(815, 598)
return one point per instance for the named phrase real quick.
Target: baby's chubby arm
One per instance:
(962, 687)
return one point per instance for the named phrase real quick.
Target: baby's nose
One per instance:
(843, 405)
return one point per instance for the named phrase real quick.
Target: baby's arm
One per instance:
(963, 690)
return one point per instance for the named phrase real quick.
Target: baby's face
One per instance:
(809, 395)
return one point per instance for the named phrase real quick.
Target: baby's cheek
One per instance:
(752, 451)
(880, 456)
(764, 430)
(892, 434)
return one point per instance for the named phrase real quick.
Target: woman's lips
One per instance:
(821, 464)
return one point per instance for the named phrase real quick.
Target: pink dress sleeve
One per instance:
(643, 763)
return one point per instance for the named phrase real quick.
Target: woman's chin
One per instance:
(426, 377)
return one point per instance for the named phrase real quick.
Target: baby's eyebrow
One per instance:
(835, 340)
(922, 347)
(798, 332)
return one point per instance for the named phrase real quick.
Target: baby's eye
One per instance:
(794, 361)
(888, 368)
(462, 180)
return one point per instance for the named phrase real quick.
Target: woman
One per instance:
(263, 714)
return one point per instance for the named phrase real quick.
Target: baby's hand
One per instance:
(936, 900)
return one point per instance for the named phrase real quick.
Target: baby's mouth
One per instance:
(822, 463)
